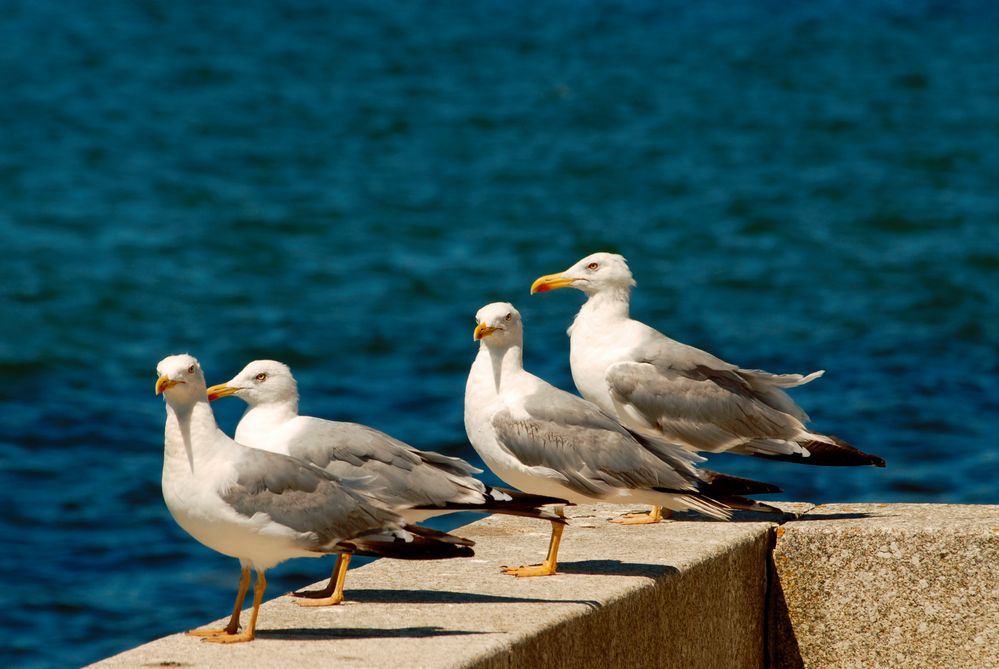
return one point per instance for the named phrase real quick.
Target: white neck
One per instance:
(609, 302)
(604, 307)
(503, 363)
(188, 429)
(260, 419)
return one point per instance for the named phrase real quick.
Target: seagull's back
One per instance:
(398, 474)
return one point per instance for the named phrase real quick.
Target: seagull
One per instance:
(263, 508)
(549, 442)
(400, 476)
(660, 387)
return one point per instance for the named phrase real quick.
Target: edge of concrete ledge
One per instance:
(834, 585)
(615, 601)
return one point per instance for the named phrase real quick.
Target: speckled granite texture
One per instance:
(875, 585)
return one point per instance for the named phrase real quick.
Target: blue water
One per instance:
(342, 185)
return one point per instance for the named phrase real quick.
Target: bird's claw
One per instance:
(543, 569)
(230, 638)
(312, 594)
(203, 632)
(324, 601)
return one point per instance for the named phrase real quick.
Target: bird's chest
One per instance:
(592, 350)
(481, 403)
(192, 497)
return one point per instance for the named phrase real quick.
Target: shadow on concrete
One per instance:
(781, 650)
(737, 517)
(813, 515)
(446, 597)
(327, 634)
(758, 517)
(615, 568)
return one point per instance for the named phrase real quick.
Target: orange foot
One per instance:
(332, 600)
(230, 638)
(635, 519)
(647, 518)
(313, 594)
(544, 569)
(208, 632)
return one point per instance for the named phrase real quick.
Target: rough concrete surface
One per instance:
(679, 594)
(876, 585)
(849, 586)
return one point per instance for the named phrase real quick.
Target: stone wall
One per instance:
(833, 586)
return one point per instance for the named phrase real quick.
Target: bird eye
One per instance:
(261, 376)
(593, 266)
(190, 370)
(508, 317)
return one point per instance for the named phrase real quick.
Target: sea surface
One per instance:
(341, 185)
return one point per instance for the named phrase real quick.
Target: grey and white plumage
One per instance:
(263, 508)
(662, 387)
(417, 484)
(547, 441)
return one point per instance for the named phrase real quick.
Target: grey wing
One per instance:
(323, 442)
(304, 498)
(666, 354)
(587, 450)
(704, 402)
(395, 472)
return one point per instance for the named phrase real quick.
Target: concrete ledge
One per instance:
(678, 594)
(879, 585)
(835, 586)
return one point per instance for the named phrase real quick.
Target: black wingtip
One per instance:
(526, 497)
(519, 504)
(746, 504)
(426, 544)
(431, 534)
(832, 453)
(838, 453)
(878, 461)
(717, 483)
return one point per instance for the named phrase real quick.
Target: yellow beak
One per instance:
(164, 383)
(221, 390)
(550, 282)
(482, 330)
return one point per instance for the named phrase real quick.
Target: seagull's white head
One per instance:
(260, 382)
(498, 325)
(180, 379)
(593, 274)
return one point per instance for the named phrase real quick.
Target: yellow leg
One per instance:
(250, 632)
(332, 594)
(654, 516)
(233, 626)
(548, 567)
